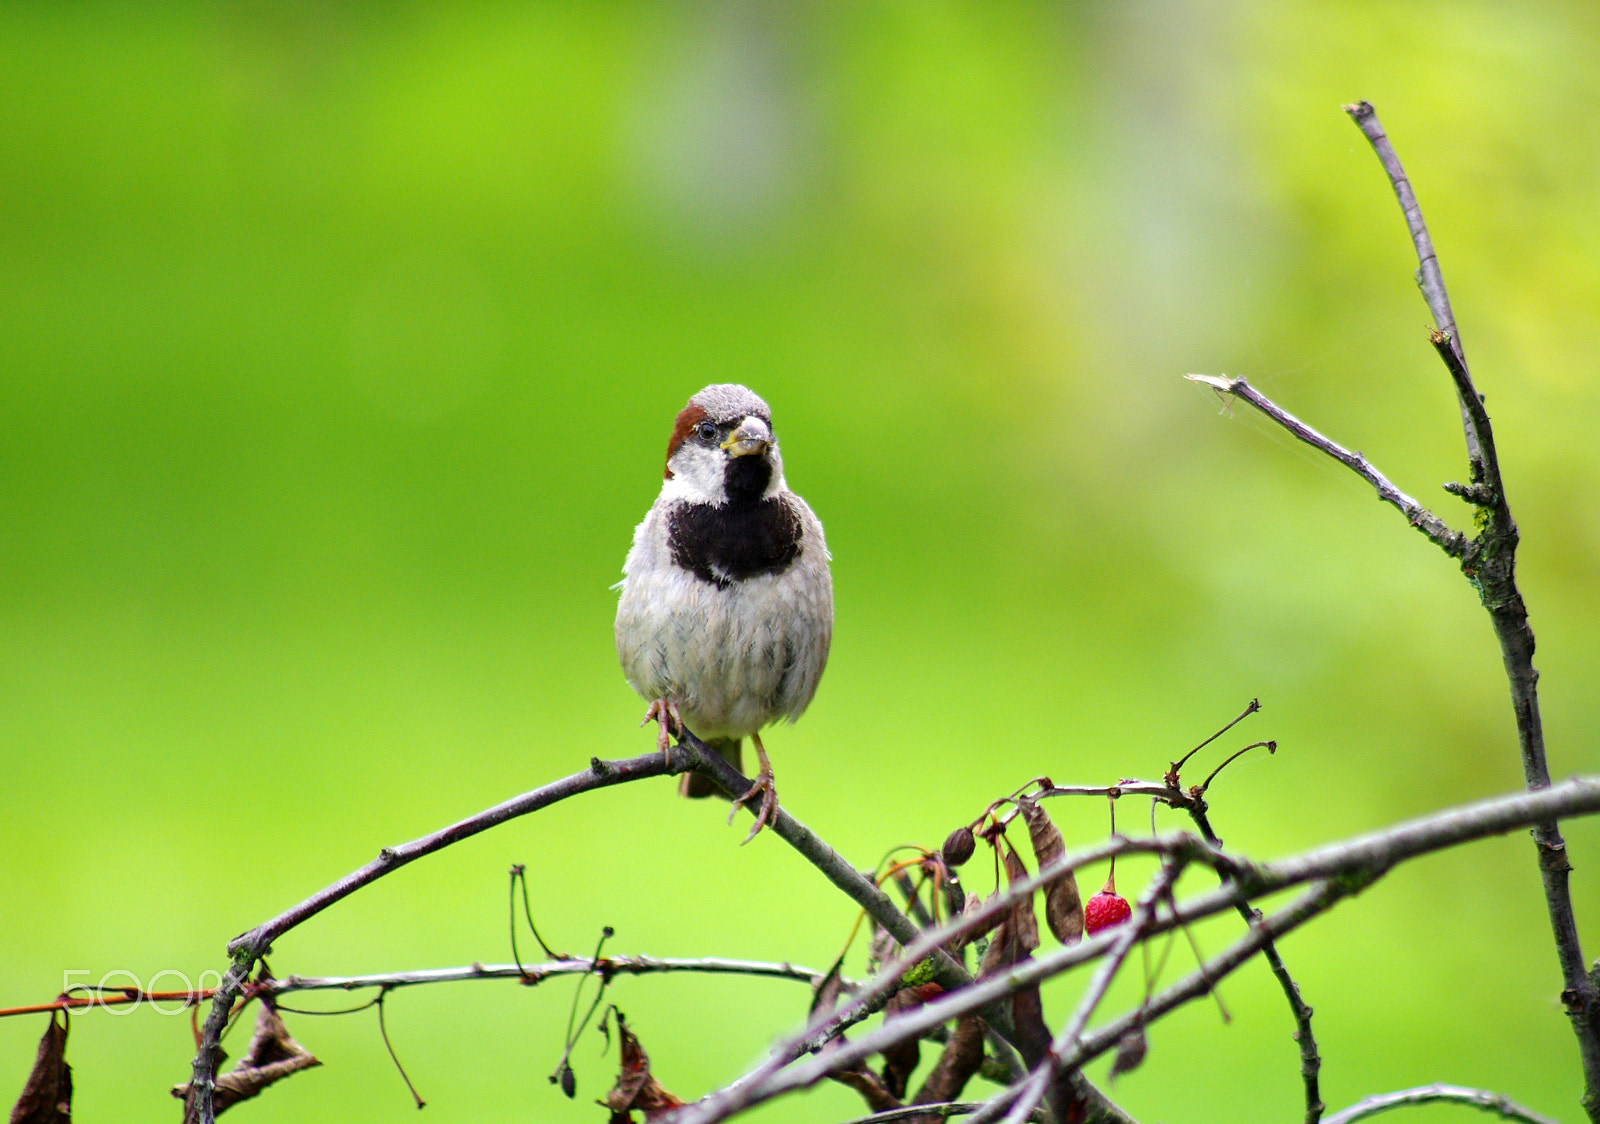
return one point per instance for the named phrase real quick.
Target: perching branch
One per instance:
(690, 753)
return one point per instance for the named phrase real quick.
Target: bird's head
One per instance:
(723, 448)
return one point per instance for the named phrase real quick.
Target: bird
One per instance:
(726, 611)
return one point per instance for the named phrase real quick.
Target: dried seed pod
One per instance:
(958, 847)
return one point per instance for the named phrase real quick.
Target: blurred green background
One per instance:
(341, 347)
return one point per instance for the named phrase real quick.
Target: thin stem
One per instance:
(1453, 543)
(1429, 1094)
(1310, 1058)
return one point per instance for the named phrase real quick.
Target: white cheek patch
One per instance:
(696, 475)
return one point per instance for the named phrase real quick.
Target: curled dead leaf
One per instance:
(1063, 907)
(47, 1096)
(1131, 1049)
(635, 1087)
(273, 1054)
(1025, 923)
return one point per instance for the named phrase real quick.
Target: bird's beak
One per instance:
(751, 437)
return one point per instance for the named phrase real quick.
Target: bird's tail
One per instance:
(697, 787)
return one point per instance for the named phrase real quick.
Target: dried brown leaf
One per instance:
(1131, 1049)
(825, 996)
(1002, 950)
(1063, 907)
(635, 1087)
(273, 1054)
(47, 1096)
(868, 1084)
(900, 1060)
(1025, 924)
(961, 1058)
(1032, 1036)
(882, 950)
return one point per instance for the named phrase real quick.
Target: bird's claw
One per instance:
(767, 787)
(664, 712)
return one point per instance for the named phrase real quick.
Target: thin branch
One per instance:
(532, 974)
(1429, 277)
(528, 975)
(1427, 1094)
(1453, 543)
(1310, 1058)
(1490, 565)
(250, 946)
(1322, 895)
(944, 1110)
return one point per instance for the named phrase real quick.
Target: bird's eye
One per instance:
(707, 431)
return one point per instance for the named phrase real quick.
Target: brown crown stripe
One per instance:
(688, 417)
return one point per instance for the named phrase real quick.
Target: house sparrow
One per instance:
(727, 604)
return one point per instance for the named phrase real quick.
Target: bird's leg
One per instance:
(664, 712)
(764, 785)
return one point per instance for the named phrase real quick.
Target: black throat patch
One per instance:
(741, 539)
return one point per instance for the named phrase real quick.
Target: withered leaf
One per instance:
(825, 996)
(868, 1084)
(882, 949)
(900, 1060)
(1002, 949)
(273, 1055)
(1131, 1049)
(1063, 908)
(1032, 1036)
(47, 1096)
(1025, 924)
(635, 1087)
(961, 1058)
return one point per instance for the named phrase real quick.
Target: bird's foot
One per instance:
(768, 790)
(664, 712)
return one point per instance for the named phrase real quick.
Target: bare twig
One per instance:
(1489, 563)
(1427, 1094)
(943, 1110)
(1304, 1036)
(1453, 543)
(528, 975)
(610, 966)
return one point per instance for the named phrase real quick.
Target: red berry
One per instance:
(1105, 909)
